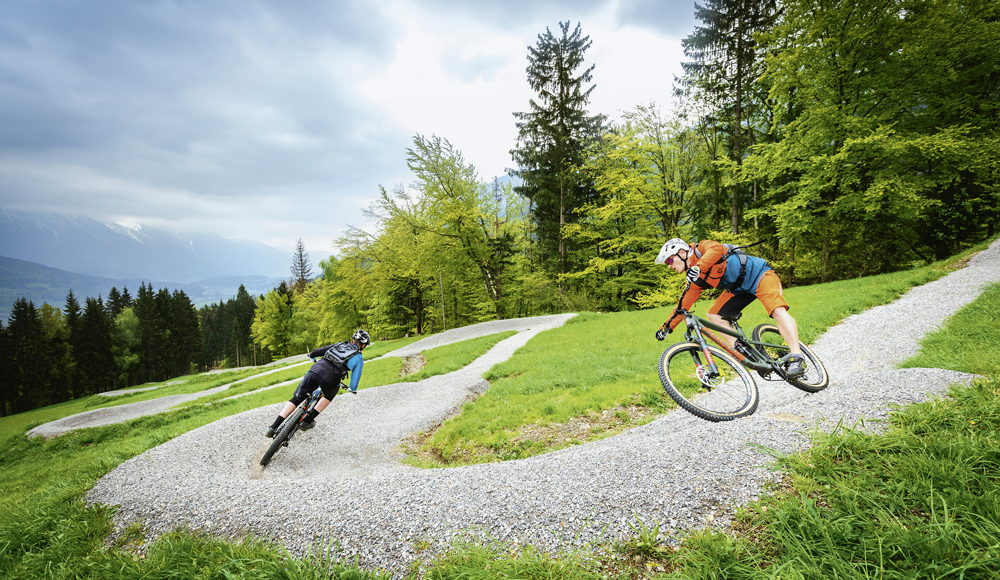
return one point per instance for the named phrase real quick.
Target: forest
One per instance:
(849, 139)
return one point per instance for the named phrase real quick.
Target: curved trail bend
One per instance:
(342, 480)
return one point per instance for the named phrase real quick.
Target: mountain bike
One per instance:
(714, 383)
(292, 424)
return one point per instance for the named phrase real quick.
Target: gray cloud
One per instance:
(672, 17)
(183, 94)
(238, 117)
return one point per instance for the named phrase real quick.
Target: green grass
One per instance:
(609, 360)
(965, 343)
(921, 500)
(46, 531)
(948, 446)
(21, 422)
(440, 360)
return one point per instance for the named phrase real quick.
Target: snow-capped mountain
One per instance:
(128, 250)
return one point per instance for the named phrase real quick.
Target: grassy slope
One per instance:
(607, 361)
(46, 531)
(921, 500)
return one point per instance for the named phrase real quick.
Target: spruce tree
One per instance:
(71, 313)
(242, 319)
(26, 356)
(723, 76)
(301, 268)
(150, 327)
(185, 334)
(552, 136)
(4, 369)
(95, 359)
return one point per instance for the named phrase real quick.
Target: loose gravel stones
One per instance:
(342, 485)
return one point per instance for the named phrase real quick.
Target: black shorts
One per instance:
(309, 384)
(730, 304)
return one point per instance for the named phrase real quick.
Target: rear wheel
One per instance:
(282, 435)
(722, 395)
(814, 380)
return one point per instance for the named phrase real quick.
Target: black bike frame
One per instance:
(310, 404)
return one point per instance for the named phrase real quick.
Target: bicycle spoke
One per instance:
(723, 393)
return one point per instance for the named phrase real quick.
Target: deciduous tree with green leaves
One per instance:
(886, 118)
(646, 172)
(480, 220)
(272, 323)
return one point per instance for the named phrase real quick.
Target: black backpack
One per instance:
(340, 353)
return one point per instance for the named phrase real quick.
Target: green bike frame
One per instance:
(749, 355)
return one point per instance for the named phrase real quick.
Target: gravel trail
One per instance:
(129, 411)
(342, 481)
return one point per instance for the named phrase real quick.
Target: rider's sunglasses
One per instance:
(670, 261)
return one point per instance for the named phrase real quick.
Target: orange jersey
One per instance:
(711, 273)
(713, 270)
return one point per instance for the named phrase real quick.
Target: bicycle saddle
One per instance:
(733, 318)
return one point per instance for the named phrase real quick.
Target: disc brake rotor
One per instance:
(704, 375)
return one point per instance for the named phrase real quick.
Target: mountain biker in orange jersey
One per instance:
(709, 264)
(332, 363)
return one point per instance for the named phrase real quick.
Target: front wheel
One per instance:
(282, 435)
(722, 395)
(814, 380)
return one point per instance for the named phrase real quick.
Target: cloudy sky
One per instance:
(279, 120)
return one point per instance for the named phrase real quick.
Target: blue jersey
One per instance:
(755, 270)
(354, 366)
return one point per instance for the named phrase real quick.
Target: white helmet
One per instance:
(671, 248)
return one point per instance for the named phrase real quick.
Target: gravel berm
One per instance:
(341, 484)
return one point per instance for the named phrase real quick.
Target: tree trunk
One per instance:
(444, 325)
(562, 221)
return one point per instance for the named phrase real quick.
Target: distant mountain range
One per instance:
(42, 284)
(43, 255)
(86, 246)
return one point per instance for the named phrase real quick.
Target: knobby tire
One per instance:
(734, 394)
(816, 378)
(282, 435)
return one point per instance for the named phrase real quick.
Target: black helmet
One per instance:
(361, 338)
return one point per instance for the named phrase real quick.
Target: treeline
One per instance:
(48, 355)
(851, 138)
(226, 339)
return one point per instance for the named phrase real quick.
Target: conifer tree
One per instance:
(95, 359)
(552, 136)
(185, 333)
(5, 382)
(71, 313)
(242, 312)
(117, 301)
(723, 73)
(26, 355)
(301, 268)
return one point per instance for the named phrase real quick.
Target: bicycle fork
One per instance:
(713, 369)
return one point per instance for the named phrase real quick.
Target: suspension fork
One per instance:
(704, 348)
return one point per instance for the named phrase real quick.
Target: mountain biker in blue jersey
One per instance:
(709, 264)
(332, 362)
